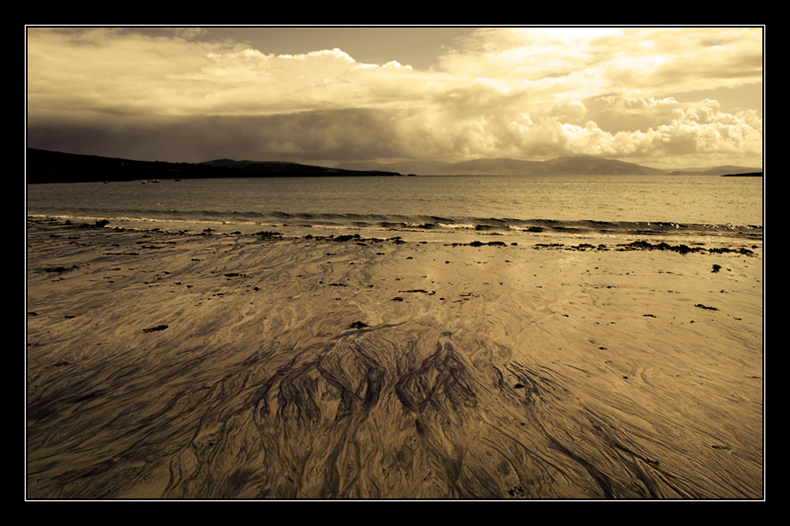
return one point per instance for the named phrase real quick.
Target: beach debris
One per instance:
(724, 250)
(644, 245)
(156, 329)
(517, 491)
(266, 234)
(359, 325)
(537, 246)
(716, 268)
(346, 237)
(98, 224)
(66, 362)
(580, 247)
(701, 306)
(60, 269)
(478, 244)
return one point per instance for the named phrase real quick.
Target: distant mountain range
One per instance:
(571, 165)
(44, 166)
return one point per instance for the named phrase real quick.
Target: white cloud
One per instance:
(523, 93)
(582, 62)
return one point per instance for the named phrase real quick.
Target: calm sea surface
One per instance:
(648, 204)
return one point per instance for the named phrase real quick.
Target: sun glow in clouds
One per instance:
(526, 93)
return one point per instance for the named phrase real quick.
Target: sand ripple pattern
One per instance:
(373, 415)
(242, 403)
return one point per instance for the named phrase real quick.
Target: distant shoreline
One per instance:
(44, 166)
(750, 174)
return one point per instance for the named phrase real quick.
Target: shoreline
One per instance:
(444, 229)
(423, 365)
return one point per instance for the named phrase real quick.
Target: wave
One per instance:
(404, 222)
(396, 222)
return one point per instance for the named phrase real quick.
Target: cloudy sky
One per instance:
(658, 96)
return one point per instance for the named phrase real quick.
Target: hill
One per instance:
(45, 166)
(586, 165)
(492, 167)
(570, 165)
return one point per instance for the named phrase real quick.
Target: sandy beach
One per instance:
(219, 365)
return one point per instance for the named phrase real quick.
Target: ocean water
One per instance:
(609, 204)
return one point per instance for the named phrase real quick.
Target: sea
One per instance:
(372, 205)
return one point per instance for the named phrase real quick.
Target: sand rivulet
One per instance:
(252, 366)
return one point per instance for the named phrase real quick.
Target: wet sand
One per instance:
(229, 366)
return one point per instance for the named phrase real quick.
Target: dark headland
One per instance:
(45, 166)
(749, 174)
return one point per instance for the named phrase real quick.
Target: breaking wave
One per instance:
(399, 222)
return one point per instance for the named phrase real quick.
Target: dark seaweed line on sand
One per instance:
(645, 245)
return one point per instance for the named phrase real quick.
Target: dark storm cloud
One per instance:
(313, 135)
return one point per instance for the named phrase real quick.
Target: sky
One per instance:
(666, 97)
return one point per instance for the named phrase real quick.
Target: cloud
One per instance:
(633, 61)
(111, 71)
(524, 93)
(312, 135)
